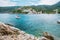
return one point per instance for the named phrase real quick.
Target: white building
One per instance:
(56, 10)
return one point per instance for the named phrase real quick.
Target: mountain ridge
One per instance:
(39, 7)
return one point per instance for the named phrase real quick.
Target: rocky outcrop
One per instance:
(10, 33)
(7, 30)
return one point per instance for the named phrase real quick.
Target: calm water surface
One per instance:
(34, 24)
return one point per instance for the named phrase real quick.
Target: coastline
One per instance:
(20, 35)
(8, 32)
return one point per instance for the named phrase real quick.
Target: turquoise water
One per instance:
(34, 24)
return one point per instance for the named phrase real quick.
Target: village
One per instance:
(32, 11)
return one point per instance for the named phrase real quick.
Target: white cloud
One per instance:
(7, 3)
(32, 3)
(44, 2)
(21, 2)
(47, 2)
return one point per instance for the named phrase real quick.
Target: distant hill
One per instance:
(45, 8)
(56, 6)
(8, 9)
(41, 7)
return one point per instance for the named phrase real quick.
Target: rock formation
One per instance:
(11, 33)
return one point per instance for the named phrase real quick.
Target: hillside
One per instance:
(44, 8)
(56, 6)
(47, 8)
(8, 9)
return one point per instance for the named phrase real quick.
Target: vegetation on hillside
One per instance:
(43, 8)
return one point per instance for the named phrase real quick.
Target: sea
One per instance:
(34, 24)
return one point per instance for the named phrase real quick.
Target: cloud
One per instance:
(7, 3)
(27, 2)
(44, 2)
(47, 2)
(17, 2)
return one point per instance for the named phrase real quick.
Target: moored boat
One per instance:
(58, 21)
(17, 17)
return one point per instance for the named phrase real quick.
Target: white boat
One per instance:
(17, 17)
(58, 21)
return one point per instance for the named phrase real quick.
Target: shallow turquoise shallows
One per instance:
(34, 24)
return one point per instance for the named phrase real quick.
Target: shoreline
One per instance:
(21, 36)
(13, 33)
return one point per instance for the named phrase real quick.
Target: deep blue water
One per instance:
(34, 24)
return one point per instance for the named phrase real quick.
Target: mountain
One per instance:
(8, 9)
(41, 7)
(45, 8)
(56, 6)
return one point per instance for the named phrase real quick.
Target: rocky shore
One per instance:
(11, 33)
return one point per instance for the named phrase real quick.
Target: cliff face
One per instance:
(10, 33)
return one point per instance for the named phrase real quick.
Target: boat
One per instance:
(58, 21)
(17, 17)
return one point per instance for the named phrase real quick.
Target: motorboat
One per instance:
(17, 17)
(58, 21)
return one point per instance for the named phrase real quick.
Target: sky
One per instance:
(27, 2)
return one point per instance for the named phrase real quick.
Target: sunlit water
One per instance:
(34, 24)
